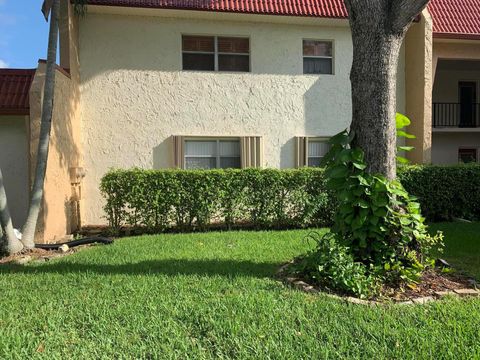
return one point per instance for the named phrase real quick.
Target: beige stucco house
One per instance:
(202, 84)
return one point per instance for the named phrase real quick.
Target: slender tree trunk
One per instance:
(45, 129)
(378, 29)
(9, 242)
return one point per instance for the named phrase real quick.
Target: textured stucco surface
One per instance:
(58, 210)
(134, 96)
(14, 165)
(419, 82)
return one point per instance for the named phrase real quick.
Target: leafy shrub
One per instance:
(444, 192)
(159, 199)
(378, 223)
(332, 266)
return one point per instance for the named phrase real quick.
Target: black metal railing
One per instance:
(456, 115)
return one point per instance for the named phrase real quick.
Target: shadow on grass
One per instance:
(168, 267)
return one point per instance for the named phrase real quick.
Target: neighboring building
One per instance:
(21, 95)
(249, 83)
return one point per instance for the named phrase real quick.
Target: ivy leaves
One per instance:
(377, 219)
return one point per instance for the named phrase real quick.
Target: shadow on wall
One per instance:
(163, 154)
(167, 267)
(327, 106)
(56, 216)
(287, 152)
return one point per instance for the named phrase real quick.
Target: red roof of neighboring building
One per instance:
(14, 91)
(456, 18)
(317, 8)
(453, 18)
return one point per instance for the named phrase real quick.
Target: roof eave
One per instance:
(453, 36)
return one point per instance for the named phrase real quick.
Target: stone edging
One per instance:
(303, 286)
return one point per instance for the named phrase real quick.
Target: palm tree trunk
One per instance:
(9, 242)
(45, 129)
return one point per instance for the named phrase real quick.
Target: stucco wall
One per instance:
(445, 145)
(134, 96)
(58, 216)
(419, 80)
(446, 84)
(14, 165)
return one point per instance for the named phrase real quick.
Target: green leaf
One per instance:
(404, 134)
(401, 121)
(406, 148)
(402, 160)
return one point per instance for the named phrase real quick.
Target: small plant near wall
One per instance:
(379, 236)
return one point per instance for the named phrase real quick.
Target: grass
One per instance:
(202, 296)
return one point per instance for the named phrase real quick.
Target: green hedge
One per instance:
(445, 192)
(161, 199)
(263, 199)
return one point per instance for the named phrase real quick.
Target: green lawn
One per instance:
(201, 296)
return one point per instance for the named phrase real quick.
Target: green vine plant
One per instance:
(401, 123)
(378, 227)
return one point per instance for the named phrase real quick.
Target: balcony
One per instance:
(456, 116)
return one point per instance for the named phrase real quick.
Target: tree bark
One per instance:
(45, 129)
(9, 242)
(378, 29)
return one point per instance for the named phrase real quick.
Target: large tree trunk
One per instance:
(378, 29)
(45, 128)
(9, 242)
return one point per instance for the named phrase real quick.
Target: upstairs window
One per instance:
(216, 53)
(317, 149)
(212, 154)
(317, 57)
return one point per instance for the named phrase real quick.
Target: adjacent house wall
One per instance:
(419, 79)
(59, 209)
(445, 145)
(14, 165)
(134, 95)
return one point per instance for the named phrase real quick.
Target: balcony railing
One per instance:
(456, 115)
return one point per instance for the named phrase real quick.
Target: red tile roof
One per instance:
(320, 8)
(456, 18)
(14, 91)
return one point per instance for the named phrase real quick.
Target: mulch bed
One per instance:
(434, 285)
(38, 255)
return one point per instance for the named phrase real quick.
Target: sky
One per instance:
(23, 34)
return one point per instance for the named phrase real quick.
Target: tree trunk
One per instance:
(9, 242)
(378, 29)
(45, 129)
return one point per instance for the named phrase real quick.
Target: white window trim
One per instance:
(217, 157)
(216, 53)
(319, 57)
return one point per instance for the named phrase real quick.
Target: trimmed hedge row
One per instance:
(445, 192)
(264, 199)
(160, 199)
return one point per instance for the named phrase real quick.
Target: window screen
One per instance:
(212, 154)
(212, 53)
(317, 57)
(317, 149)
(467, 156)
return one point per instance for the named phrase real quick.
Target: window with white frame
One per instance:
(468, 155)
(216, 53)
(317, 149)
(212, 154)
(317, 57)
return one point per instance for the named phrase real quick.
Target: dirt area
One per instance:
(434, 284)
(38, 255)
